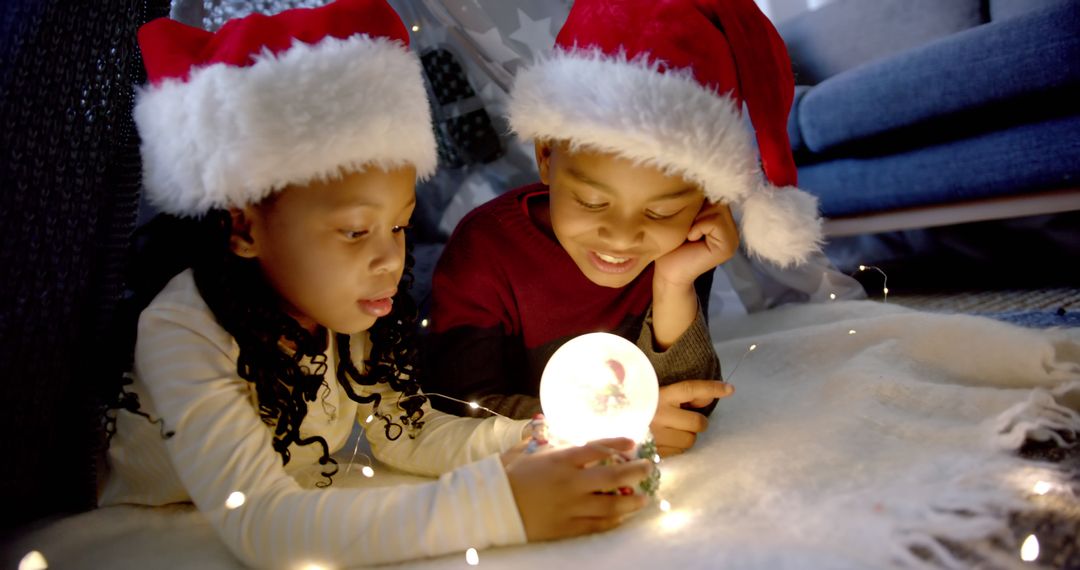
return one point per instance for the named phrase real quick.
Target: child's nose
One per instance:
(621, 232)
(388, 255)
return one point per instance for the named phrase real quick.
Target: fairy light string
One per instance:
(731, 375)
(237, 499)
(884, 280)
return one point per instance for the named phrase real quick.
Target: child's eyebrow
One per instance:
(351, 206)
(676, 194)
(581, 177)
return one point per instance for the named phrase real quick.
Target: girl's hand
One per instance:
(695, 256)
(556, 491)
(674, 427)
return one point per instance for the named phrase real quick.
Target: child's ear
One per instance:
(241, 241)
(543, 160)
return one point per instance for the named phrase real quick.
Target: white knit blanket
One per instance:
(857, 431)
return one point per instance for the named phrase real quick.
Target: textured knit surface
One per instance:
(69, 182)
(837, 450)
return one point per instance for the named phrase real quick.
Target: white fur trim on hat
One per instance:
(229, 136)
(665, 119)
(629, 108)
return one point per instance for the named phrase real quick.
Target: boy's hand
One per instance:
(685, 263)
(556, 491)
(675, 428)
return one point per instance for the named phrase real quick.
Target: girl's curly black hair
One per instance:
(250, 310)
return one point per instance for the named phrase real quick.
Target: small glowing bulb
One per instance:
(369, 418)
(424, 323)
(33, 560)
(674, 520)
(472, 558)
(885, 290)
(656, 458)
(368, 471)
(1029, 551)
(852, 331)
(1042, 488)
(753, 347)
(665, 506)
(474, 405)
(236, 500)
(832, 296)
(862, 268)
(415, 28)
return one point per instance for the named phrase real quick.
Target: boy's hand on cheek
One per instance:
(675, 428)
(712, 240)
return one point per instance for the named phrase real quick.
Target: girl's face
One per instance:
(612, 216)
(334, 251)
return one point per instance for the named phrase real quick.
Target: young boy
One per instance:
(641, 148)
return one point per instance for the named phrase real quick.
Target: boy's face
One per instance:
(335, 250)
(613, 217)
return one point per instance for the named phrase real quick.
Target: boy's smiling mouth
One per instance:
(612, 259)
(611, 263)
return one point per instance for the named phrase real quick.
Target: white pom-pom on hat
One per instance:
(780, 224)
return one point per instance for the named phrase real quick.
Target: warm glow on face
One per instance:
(333, 249)
(602, 204)
(597, 386)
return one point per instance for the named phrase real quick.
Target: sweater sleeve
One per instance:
(691, 357)
(473, 353)
(446, 442)
(186, 366)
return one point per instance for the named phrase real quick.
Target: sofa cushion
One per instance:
(1030, 55)
(846, 33)
(794, 134)
(1027, 158)
(1003, 9)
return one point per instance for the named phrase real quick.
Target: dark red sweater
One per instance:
(505, 296)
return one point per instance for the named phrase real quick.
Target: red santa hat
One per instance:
(268, 101)
(663, 82)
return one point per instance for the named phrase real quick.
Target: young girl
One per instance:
(297, 139)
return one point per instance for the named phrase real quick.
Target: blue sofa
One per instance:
(916, 113)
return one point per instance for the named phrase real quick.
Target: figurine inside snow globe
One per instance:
(599, 386)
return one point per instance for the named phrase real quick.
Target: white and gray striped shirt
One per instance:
(185, 374)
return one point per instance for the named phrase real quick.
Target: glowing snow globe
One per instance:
(598, 386)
